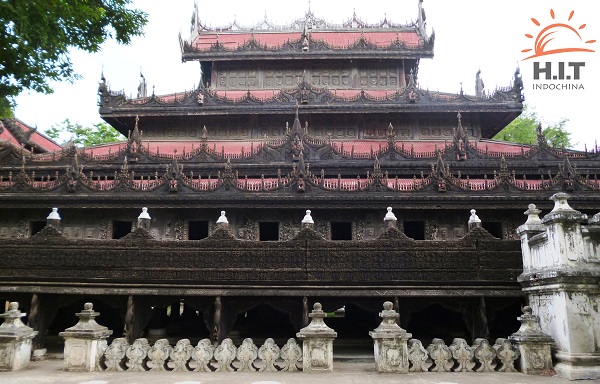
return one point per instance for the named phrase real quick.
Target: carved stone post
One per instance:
(83, 340)
(534, 345)
(561, 276)
(15, 340)
(317, 345)
(390, 342)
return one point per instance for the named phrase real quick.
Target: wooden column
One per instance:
(41, 315)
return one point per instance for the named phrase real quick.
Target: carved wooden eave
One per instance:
(309, 96)
(318, 50)
(495, 111)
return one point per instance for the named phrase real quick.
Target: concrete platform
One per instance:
(50, 372)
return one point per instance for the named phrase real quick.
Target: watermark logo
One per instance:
(554, 38)
(550, 32)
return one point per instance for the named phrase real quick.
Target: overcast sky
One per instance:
(470, 35)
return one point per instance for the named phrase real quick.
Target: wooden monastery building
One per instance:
(308, 116)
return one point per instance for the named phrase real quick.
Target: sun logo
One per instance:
(547, 34)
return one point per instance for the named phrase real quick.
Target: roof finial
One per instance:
(308, 6)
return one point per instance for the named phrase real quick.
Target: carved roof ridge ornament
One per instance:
(393, 233)
(309, 19)
(49, 232)
(134, 141)
(479, 233)
(138, 233)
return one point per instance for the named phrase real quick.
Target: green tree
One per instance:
(37, 36)
(523, 130)
(98, 133)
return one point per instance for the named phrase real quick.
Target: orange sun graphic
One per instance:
(545, 36)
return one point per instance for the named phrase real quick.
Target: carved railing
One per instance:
(460, 357)
(140, 356)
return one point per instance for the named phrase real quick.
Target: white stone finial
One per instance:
(533, 217)
(307, 218)
(389, 215)
(144, 214)
(560, 202)
(222, 219)
(53, 215)
(474, 218)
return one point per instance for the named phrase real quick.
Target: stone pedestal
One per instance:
(561, 275)
(390, 342)
(317, 343)
(83, 341)
(15, 340)
(534, 345)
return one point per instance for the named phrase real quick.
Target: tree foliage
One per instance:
(523, 130)
(38, 34)
(99, 133)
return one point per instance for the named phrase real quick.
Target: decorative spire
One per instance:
(390, 219)
(440, 167)
(297, 127)
(144, 219)
(460, 133)
(53, 218)
(222, 221)
(307, 221)
(474, 220)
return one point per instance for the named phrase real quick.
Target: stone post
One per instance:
(561, 276)
(307, 221)
(144, 219)
(474, 220)
(390, 341)
(15, 340)
(317, 345)
(222, 221)
(53, 218)
(534, 345)
(532, 227)
(390, 219)
(83, 340)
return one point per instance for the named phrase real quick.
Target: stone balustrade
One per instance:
(140, 356)
(394, 350)
(460, 357)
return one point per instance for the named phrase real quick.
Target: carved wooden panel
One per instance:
(378, 77)
(238, 79)
(331, 78)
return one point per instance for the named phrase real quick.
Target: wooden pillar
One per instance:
(305, 318)
(41, 315)
(137, 318)
(397, 308)
(475, 318)
(218, 323)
